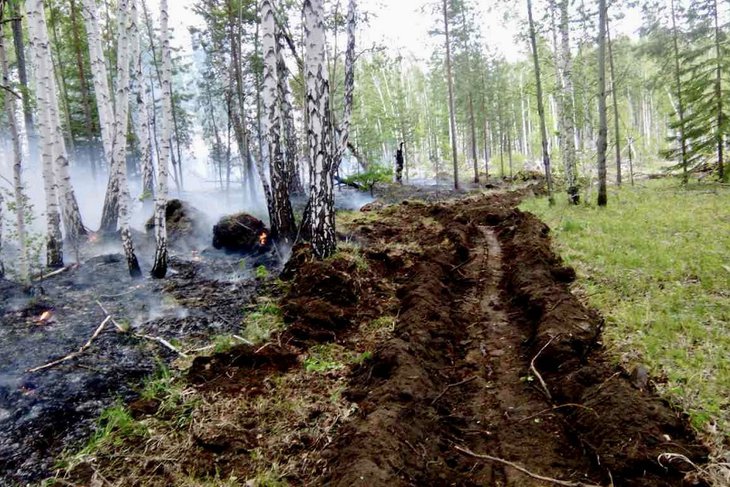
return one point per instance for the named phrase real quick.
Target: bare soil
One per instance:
(474, 343)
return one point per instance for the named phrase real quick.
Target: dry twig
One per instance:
(76, 353)
(522, 469)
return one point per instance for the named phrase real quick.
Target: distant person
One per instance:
(399, 164)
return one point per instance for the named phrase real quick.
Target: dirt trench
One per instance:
(489, 354)
(493, 354)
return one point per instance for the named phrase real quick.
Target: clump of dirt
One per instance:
(240, 233)
(185, 223)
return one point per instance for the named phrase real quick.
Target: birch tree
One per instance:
(107, 116)
(121, 119)
(142, 122)
(450, 83)
(319, 133)
(566, 72)
(280, 211)
(602, 122)
(540, 106)
(39, 50)
(159, 268)
(20, 200)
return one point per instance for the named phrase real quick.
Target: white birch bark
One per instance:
(566, 68)
(321, 204)
(54, 239)
(100, 76)
(20, 199)
(141, 125)
(281, 214)
(349, 82)
(159, 268)
(119, 145)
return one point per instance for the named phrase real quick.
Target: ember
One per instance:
(45, 317)
(93, 237)
(263, 237)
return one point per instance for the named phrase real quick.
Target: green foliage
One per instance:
(262, 272)
(262, 321)
(115, 426)
(655, 263)
(376, 173)
(327, 357)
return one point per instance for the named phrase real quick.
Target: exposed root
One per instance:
(537, 374)
(457, 384)
(519, 468)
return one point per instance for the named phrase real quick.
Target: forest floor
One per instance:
(441, 345)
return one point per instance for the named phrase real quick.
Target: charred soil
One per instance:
(441, 331)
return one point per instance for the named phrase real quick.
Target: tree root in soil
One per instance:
(519, 468)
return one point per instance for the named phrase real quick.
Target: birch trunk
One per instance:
(614, 99)
(321, 200)
(105, 108)
(540, 105)
(349, 82)
(159, 268)
(20, 199)
(281, 215)
(679, 94)
(70, 213)
(602, 122)
(54, 239)
(566, 61)
(450, 83)
(288, 126)
(142, 123)
(119, 151)
(720, 114)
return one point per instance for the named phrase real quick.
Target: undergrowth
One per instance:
(655, 263)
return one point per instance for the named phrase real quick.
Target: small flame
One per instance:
(45, 317)
(262, 238)
(93, 237)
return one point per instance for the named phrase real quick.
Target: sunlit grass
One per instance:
(656, 263)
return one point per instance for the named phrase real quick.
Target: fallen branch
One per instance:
(76, 353)
(247, 342)
(522, 469)
(452, 385)
(537, 374)
(163, 342)
(117, 325)
(42, 276)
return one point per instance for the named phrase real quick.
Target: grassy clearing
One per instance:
(656, 263)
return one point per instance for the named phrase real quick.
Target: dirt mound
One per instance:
(240, 233)
(185, 223)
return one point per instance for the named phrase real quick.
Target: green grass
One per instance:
(262, 321)
(656, 263)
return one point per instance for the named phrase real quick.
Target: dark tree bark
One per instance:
(602, 122)
(450, 83)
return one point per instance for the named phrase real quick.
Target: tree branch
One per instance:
(10, 90)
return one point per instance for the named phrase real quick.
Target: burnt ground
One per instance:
(46, 412)
(441, 332)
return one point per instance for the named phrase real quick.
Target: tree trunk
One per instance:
(680, 100)
(540, 106)
(721, 128)
(127, 26)
(288, 128)
(614, 98)
(105, 108)
(141, 126)
(602, 122)
(321, 200)
(20, 199)
(571, 171)
(450, 83)
(281, 215)
(54, 239)
(159, 268)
